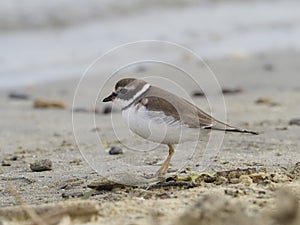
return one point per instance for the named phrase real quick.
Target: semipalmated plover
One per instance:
(160, 116)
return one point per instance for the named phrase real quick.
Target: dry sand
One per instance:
(29, 133)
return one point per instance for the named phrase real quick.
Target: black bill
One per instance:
(110, 97)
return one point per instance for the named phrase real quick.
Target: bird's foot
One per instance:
(162, 171)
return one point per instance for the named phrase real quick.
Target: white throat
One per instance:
(125, 103)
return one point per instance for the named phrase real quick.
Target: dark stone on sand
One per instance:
(64, 186)
(232, 90)
(20, 96)
(261, 192)
(199, 93)
(14, 158)
(5, 163)
(41, 165)
(115, 151)
(295, 121)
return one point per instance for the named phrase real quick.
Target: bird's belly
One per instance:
(157, 127)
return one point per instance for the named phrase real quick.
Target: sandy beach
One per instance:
(267, 103)
(57, 136)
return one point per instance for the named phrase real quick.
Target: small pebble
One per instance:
(5, 163)
(198, 93)
(41, 165)
(265, 101)
(232, 90)
(295, 122)
(14, 158)
(261, 192)
(19, 96)
(115, 151)
(40, 103)
(64, 186)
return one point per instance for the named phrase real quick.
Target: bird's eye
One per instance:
(123, 91)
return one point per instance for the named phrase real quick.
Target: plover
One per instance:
(160, 116)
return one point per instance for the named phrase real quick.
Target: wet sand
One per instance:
(29, 134)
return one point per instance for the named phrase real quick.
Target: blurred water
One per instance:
(45, 40)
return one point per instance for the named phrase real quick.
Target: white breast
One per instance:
(157, 127)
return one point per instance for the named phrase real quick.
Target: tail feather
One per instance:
(226, 127)
(234, 129)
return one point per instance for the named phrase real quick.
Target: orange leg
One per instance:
(164, 167)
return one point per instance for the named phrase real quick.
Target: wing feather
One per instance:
(183, 111)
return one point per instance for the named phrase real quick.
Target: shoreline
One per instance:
(215, 64)
(69, 49)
